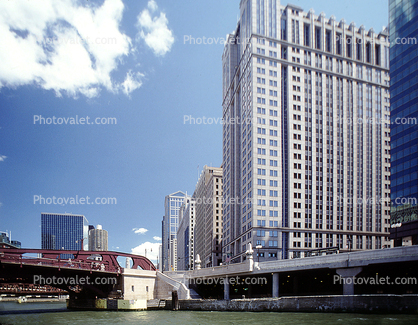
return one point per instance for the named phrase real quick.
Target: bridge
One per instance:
(327, 274)
(86, 275)
(105, 261)
(107, 285)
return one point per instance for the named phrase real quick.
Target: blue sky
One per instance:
(129, 61)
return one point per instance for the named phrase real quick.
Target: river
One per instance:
(57, 314)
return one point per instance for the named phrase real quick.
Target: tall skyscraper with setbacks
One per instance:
(306, 152)
(170, 226)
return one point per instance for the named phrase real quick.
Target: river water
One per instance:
(30, 313)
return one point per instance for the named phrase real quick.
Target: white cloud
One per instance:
(157, 238)
(66, 46)
(2, 158)
(154, 30)
(140, 231)
(132, 82)
(152, 250)
(152, 5)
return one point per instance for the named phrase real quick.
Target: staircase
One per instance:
(194, 294)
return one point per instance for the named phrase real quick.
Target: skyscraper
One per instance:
(170, 224)
(403, 22)
(306, 159)
(64, 231)
(185, 235)
(98, 239)
(208, 227)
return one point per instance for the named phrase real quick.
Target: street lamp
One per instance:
(350, 243)
(258, 252)
(82, 242)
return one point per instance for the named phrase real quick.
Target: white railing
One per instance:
(351, 259)
(183, 292)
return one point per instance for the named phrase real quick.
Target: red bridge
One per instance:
(46, 267)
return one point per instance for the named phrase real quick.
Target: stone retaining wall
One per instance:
(352, 304)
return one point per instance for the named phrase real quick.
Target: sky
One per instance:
(99, 101)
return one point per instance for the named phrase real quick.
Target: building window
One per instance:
(349, 43)
(284, 52)
(318, 38)
(307, 35)
(328, 42)
(283, 31)
(295, 31)
(368, 53)
(273, 243)
(377, 54)
(339, 44)
(358, 49)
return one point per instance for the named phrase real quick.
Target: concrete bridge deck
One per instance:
(333, 261)
(345, 265)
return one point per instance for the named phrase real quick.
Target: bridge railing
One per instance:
(62, 263)
(105, 261)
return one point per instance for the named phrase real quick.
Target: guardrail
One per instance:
(100, 261)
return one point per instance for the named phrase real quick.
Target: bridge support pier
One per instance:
(275, 289)
(226, 288)
(346, 277)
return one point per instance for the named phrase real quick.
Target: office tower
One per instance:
(98, 239)
(185, 235)
(170, 223)
(160, 257)
(403, 21)
(305, 153)
(64, 231)
(208, 227)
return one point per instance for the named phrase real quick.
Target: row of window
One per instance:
(271, 243)
(271, 233)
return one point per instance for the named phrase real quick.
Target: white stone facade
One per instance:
(208, 229)
(306, 138)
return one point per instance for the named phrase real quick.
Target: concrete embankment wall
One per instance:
(352, 304)
(7, 299)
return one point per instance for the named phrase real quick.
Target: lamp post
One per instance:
(258, 252)
(350, 243)
(82, 242)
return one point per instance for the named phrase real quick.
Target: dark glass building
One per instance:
(403, 25)
(64, 231)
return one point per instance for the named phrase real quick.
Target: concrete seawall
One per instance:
(406, 304)
(8, 299)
